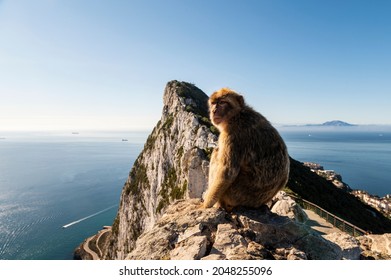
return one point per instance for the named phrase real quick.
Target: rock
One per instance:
(213, 257)
(258, 251)
(285, 206)
(186, 232)
(190, 232)
(289, 254)
(319, 248)
(192, 248)
(285, 232)
(178, 228)
(295, 254)
(349, 245)
(376, 246)
(381, 243)
(229, 243)
(279, 229)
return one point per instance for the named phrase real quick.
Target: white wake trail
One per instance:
(89, 216)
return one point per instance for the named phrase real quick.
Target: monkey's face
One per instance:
(223, 106)
(219, 111)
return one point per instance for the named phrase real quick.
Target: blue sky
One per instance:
(78, 64)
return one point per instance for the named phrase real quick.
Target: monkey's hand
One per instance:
(201, 206)
(207, 200)
(204, 206)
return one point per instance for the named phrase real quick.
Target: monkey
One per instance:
(251, 162)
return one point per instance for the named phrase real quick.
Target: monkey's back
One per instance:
(264, 161)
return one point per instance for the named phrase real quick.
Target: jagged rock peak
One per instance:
(173, 165)
(185, 96)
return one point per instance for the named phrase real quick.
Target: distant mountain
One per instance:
(332, 123)
(337, 123)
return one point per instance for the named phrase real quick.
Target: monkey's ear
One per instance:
(240, 100)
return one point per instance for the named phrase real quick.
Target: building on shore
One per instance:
(382, 204)
(329, 175)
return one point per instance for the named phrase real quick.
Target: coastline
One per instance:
(361, 155)
(382, 204)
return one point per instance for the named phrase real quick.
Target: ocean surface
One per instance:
(49, 180)
(361, 154)
(52, 180)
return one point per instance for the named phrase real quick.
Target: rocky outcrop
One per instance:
(187, 232)
(284, 205)
(349, 245)
(376, 246)
(173, 165)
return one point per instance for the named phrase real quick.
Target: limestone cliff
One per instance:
(173, 165)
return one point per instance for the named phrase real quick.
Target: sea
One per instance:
(58, 188)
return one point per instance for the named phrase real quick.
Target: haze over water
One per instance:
(51, 180)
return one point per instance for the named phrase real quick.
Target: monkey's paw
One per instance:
(202, 206)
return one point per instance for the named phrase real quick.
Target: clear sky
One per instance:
(84, 64)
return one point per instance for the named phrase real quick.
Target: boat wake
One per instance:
(89, 216)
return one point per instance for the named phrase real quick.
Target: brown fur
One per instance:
(251, 163)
